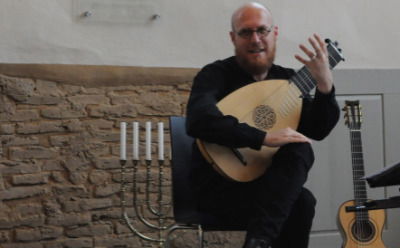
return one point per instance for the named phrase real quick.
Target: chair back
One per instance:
(184, 200)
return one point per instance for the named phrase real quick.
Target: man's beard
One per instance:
(259, 66)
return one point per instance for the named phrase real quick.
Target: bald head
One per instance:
(249, 9)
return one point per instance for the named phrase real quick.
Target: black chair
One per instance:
(186, 214)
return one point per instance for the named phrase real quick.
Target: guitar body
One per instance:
(267, 105)
(366, 234)
(362, 228)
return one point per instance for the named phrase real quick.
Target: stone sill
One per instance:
(100, 75)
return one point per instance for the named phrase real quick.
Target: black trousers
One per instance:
(276, 206)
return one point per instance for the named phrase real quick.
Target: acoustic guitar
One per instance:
(270, 105)
(361, 228)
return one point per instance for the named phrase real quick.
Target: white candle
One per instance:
(160, 141)
(135, 141)
(148, 140)
(123, 141)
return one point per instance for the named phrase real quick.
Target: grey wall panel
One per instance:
(331, 176)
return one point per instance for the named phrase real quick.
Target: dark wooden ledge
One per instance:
(100, 75)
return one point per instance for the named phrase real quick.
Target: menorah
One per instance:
(158, 214)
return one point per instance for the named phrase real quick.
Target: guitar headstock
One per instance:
(335, 53)
(353, 115)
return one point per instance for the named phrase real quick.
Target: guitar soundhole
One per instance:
(264, 117)
(363, 231)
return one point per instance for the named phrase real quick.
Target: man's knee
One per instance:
(297, 151)
(306, 203)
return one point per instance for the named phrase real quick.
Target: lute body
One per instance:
(267, 105)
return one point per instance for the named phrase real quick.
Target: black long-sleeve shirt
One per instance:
(216, 80)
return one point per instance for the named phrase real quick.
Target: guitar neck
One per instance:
(303, 79)
(359, 185)
(360, 189)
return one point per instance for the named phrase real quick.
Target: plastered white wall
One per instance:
(188, 33)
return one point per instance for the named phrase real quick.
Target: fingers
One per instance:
(284, 136)
(321, 42)
(318, 46)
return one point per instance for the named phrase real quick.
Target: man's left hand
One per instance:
(318, 63)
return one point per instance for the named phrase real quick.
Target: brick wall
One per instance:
(59, 168)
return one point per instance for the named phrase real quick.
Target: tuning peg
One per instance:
(328, 41)
(336, 43)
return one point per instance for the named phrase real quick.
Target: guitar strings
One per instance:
(361, 217)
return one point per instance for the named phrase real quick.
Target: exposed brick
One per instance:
(67, 219)
(88, 99)
(90, 231)
(78, 177)
(60, 140)
(22, 192)
(12, 167)
(91, 204)
(7, 128)
(107, 163)
(58, 177)
(18, 89)
(51, 232)
(25, 115)
(30, 179)
(28, 209)
(98, 124)
(72, 89)
(106, 214)
(32, 152)
(123, 110)
(17, 221)
(13, 140)
(2, 187)
(63, 112)
(78, 243)
(75, 163)
(160, 103)
(66, 191)
(72, 126)
(5, 236)
(40, 127)
(47, 88)
(43, 100)
(27, 234)
(66, 138)
(87, 204)
(7, 107)
(98, 177)
(23, 245)
(52, 165)
(107, 190)
(51, 208)
(36, 234)
(110, 241)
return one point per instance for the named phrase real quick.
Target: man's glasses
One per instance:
(261, 32)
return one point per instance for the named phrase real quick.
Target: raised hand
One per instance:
(318, 63)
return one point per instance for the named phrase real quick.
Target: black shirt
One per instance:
(218, 79)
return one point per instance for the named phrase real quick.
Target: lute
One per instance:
(267, 105)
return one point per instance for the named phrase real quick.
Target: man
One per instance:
(276, 209)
